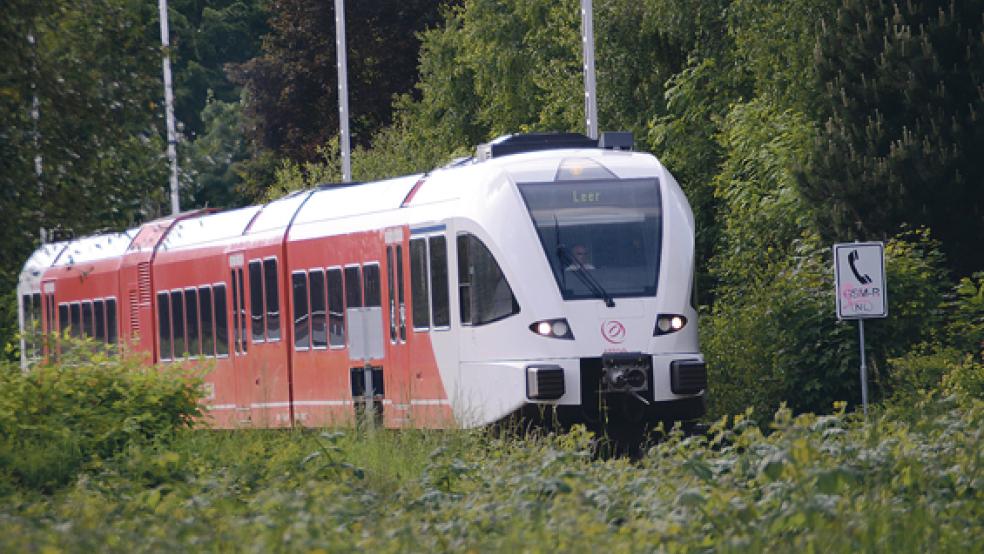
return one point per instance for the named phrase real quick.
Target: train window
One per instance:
(62, 318)
(418, 285)
(35, 328)
(99, 318)
(336, 309)
(49, 312)
(164, 325)
(177, 322)
(87, 319)
(27, 331)
(221, 323)
(484, 293)
(319, 328)
(205, 318)
(353, 287)
(76, 315)
(256, 300)
(440, 309)
(272, 299)
(235, 311)
(192, 324)
(391, 294)
(302, 325)
(111, 329)
(242, 310)
(464, 280)
(400, 296)
(370, 275)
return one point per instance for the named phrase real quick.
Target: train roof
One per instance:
(209, 228)
(42, 258)
(95, 248)
(520, 156)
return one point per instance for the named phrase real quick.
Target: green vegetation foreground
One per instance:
(911, 480)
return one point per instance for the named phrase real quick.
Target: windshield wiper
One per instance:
(582, 273)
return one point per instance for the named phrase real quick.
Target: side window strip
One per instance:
(400, 294)
(76, 329)
(371, 289)
(112, 333)
(221, 323)
(336, 309)
(440, 302)
(419, 298)
(270, 286)
(99, 319)
(319, 325)
(256, 301)
(242, 310)
(164, 325)
(236, 333)
(177, 323)
(302, 323)
(87, 319)
(207, 321)
(63, 321)
(391, 295)
(192, 323)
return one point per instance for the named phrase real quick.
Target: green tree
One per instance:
(292, 94)
(94, 68)
(206, 36)
(901, 137)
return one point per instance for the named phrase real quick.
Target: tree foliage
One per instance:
(899, 87)
(292, 87)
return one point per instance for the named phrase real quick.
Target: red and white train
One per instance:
(549, 274)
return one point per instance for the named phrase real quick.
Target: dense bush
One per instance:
(783, 343)
(816, 484)
(772, 335)
(954, 362)
(56, 418)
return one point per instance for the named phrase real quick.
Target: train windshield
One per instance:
(601, 237)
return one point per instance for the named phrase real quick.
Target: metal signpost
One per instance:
(172, 136)
(590, 95)
(343, 109)
(859, 276)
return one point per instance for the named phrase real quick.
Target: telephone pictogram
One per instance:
(852, 259)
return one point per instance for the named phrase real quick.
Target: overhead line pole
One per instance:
(172, 136)
(343, 107)
(590, 95)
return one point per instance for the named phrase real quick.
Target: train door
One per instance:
(397, 379)
(433, 351)
(364, 313)
(240, 347)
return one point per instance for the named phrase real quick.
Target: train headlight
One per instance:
(669, 323)
(553, 328)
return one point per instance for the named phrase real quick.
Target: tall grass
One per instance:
(106, 462)
(815, 483)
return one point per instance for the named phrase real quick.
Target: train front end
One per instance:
(588, 315)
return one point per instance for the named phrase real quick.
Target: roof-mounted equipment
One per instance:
(532, 142)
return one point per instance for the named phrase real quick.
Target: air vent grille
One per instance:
(143, 281)
(134, 314)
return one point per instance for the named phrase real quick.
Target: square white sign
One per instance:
(859, 274)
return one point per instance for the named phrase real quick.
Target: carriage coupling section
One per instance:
(627, 373)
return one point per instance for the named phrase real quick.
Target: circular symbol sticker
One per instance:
(613, 331)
